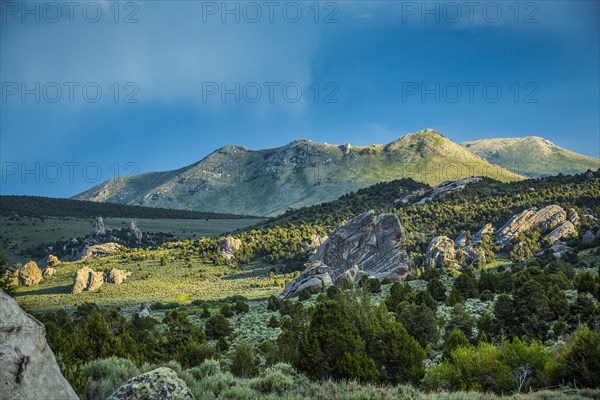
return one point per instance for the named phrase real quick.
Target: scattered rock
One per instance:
(29, 369)
(30, 274)
(440, 253)
(52, 261)
(564, 230)
(161, 383)
(117, 276)
(105, 249)
(365, 245)
(545, 219)
(49, 271)
(229, 246)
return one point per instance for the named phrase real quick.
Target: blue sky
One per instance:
(369, 72)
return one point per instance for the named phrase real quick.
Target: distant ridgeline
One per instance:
(34, 206)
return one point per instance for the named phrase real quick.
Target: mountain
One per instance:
(532, 156)
(234, 179)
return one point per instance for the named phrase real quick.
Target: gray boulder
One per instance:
(588, 238)
(98, 228)
(29, 369)
(365, 245)
(440, 253)
(159, 384)
(461, 240)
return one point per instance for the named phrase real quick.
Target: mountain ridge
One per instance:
(235, 179)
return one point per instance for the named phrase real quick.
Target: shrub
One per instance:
(218, 327)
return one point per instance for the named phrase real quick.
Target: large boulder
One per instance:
(365, 245)
(30, 274)
(116, 276)
(49, 271)
(86, 279)
(445, 188)
(440, 253)
(104, 249)
(161, 383)
(229, 246)
(80, 281)
(545, 219)
(29, 369)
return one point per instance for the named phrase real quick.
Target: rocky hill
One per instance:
(234, 179)
(532, 156)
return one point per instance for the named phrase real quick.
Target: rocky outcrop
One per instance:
(98, 228)
(445, 188)
(229, 246)
(440, 253)
(52, 261)
(365, 245)
(97, 250)
(461, 240)
(49, 271)
(117, 276)
(574, 217)
(315, 279)
(161, 383)
(545, 219)
(487, 229)
(30, 274)
(135, 231)
(29, 369)
(563, 230)
(558, 249)
(314, 243)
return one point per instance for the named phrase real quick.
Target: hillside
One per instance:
(532, 156)
(234, 179)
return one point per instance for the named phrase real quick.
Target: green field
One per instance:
(181, 280)
(20, 233)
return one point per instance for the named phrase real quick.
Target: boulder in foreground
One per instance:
(28, 366)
